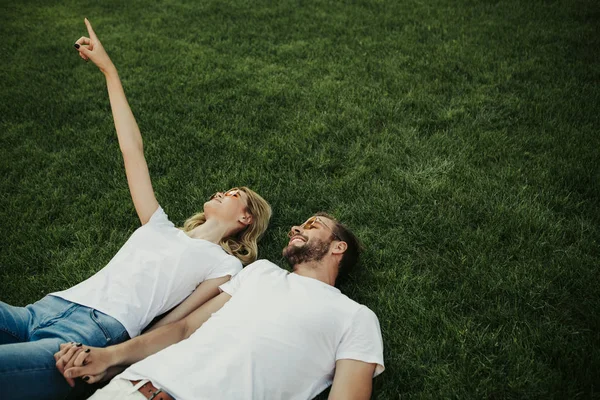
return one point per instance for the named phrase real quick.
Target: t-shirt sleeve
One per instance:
(234, 283)
(228, 266)
(159, 217)
(362, 341)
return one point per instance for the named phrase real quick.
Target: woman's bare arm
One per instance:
(128, 132)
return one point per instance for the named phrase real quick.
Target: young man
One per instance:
(270, 334)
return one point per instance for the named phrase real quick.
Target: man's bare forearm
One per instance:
(147, 344)
(152, 342)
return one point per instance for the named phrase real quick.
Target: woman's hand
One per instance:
(67, 354)
(92, 364)
(90, 48)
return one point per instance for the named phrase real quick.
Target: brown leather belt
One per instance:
(151, 392)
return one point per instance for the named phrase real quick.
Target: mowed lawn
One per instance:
(459, 139)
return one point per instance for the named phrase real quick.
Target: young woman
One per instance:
(159, 267)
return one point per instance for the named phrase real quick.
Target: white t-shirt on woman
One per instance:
(278, 337)
(155, 270)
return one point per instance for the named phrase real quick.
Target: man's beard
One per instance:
(313, 250)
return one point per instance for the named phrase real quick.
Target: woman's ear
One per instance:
(340, 248)
(246, 219)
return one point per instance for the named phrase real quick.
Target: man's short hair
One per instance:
(352, 253)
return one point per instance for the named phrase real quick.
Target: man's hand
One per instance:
(75, 360)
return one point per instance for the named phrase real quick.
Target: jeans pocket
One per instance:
(95, 316)
(112, 330)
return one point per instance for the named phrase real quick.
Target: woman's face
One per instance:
(228, 206)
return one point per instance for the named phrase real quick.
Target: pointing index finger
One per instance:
(90, 30)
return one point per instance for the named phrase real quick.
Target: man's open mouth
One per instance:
(297, 238)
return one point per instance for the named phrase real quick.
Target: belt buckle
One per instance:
(155, 394)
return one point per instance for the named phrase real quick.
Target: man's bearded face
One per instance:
(312, 250)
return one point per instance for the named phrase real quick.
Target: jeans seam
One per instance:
(28, 370)
(107, 335)
(11, 333)
(51, 321)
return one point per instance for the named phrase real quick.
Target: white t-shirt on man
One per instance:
(278, 337)
(155, 270)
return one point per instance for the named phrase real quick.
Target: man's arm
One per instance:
(204, 292)
(77, 361)
(353, 380)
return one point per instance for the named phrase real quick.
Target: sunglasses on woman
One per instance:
(230, 193)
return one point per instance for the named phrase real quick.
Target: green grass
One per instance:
(458, 138)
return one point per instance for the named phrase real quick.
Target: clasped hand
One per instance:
(91, 364)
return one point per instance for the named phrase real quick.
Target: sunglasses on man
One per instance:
(310, 224)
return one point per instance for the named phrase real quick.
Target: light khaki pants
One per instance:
(120, 389)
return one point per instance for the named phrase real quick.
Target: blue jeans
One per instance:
(29, 337)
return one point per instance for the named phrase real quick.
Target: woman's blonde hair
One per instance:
(244, 244)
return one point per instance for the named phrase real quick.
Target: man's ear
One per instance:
(339, 248)
(245, 219)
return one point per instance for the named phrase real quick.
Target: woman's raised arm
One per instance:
(130, 138)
